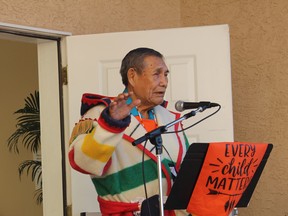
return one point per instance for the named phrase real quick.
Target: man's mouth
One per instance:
(162, 93)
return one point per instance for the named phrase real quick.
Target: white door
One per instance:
(199, 62)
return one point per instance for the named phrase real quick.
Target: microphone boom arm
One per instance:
(162, 129)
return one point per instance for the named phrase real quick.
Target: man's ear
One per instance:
(131, 75)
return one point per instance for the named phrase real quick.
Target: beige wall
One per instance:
(258, 53)
(19, 78)
(92, 16)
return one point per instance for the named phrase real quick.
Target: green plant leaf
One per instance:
(33, 166)
(27, 134)
(28, 126)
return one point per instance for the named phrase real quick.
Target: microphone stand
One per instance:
(155, 138)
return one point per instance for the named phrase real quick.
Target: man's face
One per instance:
(151, 84)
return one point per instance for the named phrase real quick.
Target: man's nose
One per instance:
(163, 80)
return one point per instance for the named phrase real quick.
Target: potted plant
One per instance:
(28, 134)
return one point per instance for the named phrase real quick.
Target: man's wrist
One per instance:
(113, 125)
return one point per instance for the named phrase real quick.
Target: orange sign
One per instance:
(226, 172)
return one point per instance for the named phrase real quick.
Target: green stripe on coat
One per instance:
(126, 179)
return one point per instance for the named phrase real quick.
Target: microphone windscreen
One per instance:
(179, 106)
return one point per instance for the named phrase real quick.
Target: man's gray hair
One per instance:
(135, 59)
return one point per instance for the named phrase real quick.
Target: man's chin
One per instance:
(159, 102)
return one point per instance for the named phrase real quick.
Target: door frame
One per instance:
(53, 147)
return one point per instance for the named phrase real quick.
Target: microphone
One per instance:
(181, 105)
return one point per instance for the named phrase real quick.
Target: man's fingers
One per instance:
(121, 97)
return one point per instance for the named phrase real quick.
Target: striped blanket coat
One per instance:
(102, 148)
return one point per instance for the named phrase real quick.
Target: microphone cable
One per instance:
(201, 120)
(144, 147)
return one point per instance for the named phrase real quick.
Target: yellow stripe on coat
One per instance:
(95, 150)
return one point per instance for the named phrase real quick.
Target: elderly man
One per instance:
(101, 141)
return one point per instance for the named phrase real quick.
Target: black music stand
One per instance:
(184, 184)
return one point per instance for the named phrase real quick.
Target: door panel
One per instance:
(199, 62)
